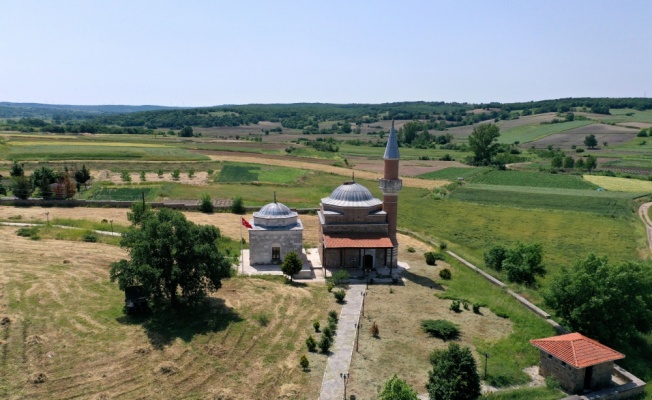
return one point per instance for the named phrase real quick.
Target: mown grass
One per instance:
(540, 393)
(452, 173)
(529, 133)
(532, 179)
(246, 173)
(611, 204)
(64, 151)
(620, 184)
(508, 356)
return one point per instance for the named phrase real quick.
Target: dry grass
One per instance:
(402, 347)
(67, 331)
(620, 184)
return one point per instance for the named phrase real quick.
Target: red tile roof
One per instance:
(357, 241)
(577, 350)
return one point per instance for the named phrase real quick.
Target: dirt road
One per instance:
(643, 212)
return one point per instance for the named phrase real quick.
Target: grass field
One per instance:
(105, 192)
(245, 173)
(532, 132)
(532, 179)
(66, 323)
(78, 151)
(453, 173)
(620, 184)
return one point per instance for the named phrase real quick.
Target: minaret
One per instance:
(390, 185)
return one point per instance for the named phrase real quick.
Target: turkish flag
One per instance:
(246, 224)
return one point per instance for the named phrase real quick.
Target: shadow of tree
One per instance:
(638, 352)
(166, 324)
(422, 280)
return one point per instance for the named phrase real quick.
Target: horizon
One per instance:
(214, 54)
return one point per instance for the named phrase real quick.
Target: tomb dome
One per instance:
(351, 194)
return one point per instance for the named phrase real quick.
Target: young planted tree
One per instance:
(454, 375)
(21, 187)
(83, 175)
(65, 187)
(171, 256)
(291, 265)
(206, 204)
(397, 389)
(237, 207)
(17, 169)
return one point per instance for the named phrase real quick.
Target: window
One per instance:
(276, 254)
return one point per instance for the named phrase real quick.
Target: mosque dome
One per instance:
(351, 194)
(275, 210)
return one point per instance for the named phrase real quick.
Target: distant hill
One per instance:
(68, 111)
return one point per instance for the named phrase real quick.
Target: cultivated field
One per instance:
(620, 184)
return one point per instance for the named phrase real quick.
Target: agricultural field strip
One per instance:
(555, 191)
(530, 133)
(84, 143)
(620, 184)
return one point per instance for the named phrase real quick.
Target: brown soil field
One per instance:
(68, 338)
(603, 133)
(402, 347)
(408, 167)
(462, 132)
(600, 129)
(635, 125)
(285, 162)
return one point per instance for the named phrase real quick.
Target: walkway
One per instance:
(332, 387)
(643, 212)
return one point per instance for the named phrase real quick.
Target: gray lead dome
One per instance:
(275, 210)
(351, 194)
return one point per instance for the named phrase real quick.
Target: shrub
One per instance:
(445, 274)
(262, 319)
(455, 306)
(374, 330)
(339, 295)
(454, 374)
(160, 173)
(311, 344)
(328, 332)
(332, 314)
(325, 344)
(476, 308)
(176, 174)
(206, 204)
(441, 328)
(494, 258)
(26, 232)
(237, 207)
(443, 245)
(304, 363)
(90, 237)
(191, 173)
(329, 286)
(143, 176)
(502, 314)
(125, 176)
(316, 326)
(339, 278)
(552, 383)
(432, 257)
(332, 325)
(397, 389)
(411, 249)
(210, 171)
(465, 304)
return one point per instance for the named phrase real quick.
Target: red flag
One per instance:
(246, 224)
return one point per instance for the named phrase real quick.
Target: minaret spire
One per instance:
(275, 196)
(390, 185)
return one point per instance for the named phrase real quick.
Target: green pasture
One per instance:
(246, 173)
(532, 179)
(612, 204)
(638, 116)
(407, 153)
(62, 151)
(122, 193)
(529, 133)
(452, 173)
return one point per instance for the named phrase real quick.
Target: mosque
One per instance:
(356, 230)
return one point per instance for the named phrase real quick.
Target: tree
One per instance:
(186, 132)
(590, 141)
(569, 162)
(64, 189)
(454, 375)
(557, 161)
(483, 143)
(397, 389)
(237, 207)
(17, 170)
(494, 257)
(604, 301)
(591, 163)
(579, 164)
(168, 253)
(206, 204)
(524, 262)
(292, 264)
(138, 213)
(83, 175)
(22, 187)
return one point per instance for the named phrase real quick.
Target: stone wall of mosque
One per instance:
(262, 242)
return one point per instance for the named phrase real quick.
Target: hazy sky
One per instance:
(201, 53)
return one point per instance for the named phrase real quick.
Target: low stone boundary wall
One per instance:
(189, 205)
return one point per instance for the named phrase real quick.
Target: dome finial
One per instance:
(353, 176)
(275, 196)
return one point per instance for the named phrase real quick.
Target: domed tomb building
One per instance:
(275, 231)
(357, 230)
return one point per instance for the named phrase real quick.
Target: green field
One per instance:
(246, 173)
(612, 204)
(407, 153)
(532, 179)
(452, 173)
(529, 133)
(106, 192)
(62, 151)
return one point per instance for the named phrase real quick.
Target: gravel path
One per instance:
(645, 216)
(332, 387)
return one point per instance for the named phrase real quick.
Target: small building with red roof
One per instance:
(576, 361)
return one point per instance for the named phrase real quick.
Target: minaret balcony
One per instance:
(389, 186)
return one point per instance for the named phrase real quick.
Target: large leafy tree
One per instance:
(454, 375)
(483, 143)
(397, 389)
(524, 263)
(601, 300)
(590, 141)
(171, 257)
(292, 264)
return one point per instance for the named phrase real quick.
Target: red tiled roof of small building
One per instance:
(577, 350)
(358, 241)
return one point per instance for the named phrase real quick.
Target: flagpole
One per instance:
(241, 257)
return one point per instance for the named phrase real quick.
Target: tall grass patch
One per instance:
(533, 179)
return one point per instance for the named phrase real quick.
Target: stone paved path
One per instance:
(332, 387)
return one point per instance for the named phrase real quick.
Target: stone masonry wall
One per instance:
(261, 243)
(571, 379)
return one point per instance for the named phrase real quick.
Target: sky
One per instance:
(204, 53)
